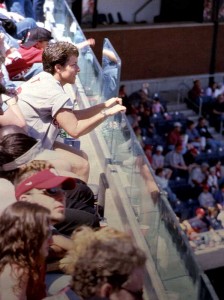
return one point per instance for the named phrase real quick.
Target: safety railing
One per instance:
(172, 272)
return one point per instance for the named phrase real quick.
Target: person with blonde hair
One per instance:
(105, 264)
(24, 243)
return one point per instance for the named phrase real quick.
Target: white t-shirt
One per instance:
(40, 99)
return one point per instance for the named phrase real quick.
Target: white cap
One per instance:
(177, 124)
(159, 148)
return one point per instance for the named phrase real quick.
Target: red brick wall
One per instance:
(162, 52)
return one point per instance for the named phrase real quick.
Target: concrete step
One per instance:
(193, 118)
(188, 113)
(176, 107)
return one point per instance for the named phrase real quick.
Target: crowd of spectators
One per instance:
(44, 191)
(186, 158)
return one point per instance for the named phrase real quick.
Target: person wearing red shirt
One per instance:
(26, 61)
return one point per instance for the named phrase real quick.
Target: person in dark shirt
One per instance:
(204, 132)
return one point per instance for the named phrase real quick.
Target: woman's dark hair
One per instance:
(13, 146)
(24, 227)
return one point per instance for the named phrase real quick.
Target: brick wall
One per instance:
(159, 51)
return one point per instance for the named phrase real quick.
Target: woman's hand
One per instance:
(113, 101)
(115, 109)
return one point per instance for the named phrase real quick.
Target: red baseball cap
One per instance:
(45, 179)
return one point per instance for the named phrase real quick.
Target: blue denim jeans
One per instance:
(38, 8)
(22, 7)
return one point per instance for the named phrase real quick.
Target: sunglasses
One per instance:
(56, 191)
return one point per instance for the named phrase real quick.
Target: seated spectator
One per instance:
(162, 178)
(148, 152)
(219, 195)
(190, 157)
(46, 188)
(158, 158)
(26, 61)
(196, 92)
(204, 132)
(220, 216)
(138, 134)
(197, 224)
(141, 97)
(174, 160)
(199, 175)
(213, 90)
(144, 121)
(219, 171)
(132, 116)
(46, 106)
(24, 241)
(205, 198)
(157, 107)
(121, 262)
(218, 111)
(212, 217)
(212, 181)
(174, 136)
(79, 201)
(194, 137)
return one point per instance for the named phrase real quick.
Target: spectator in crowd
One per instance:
(194, 137)
(174, 136)
(158, 158)
(212, 181)
(148, 128)
(46, 106)
(25, 237)
(190, 157)
(26, 61)
(148, 152)
(219, 171)
(204, 132)
(121, 262)
(212, 217)
(174, 160)
(17, 149)
(213, 90)
(205, 198)
(138, 134)
(219, 195)
(199, 176)
(218, 111)
(162, 178)
(197, 224)
(196, 91)
(34, 183)
(157, 107)
(132, 116)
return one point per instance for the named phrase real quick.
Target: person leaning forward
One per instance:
(46, 106)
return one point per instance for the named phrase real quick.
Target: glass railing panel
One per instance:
(111, 65)
(68, 29)
(158, 226)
